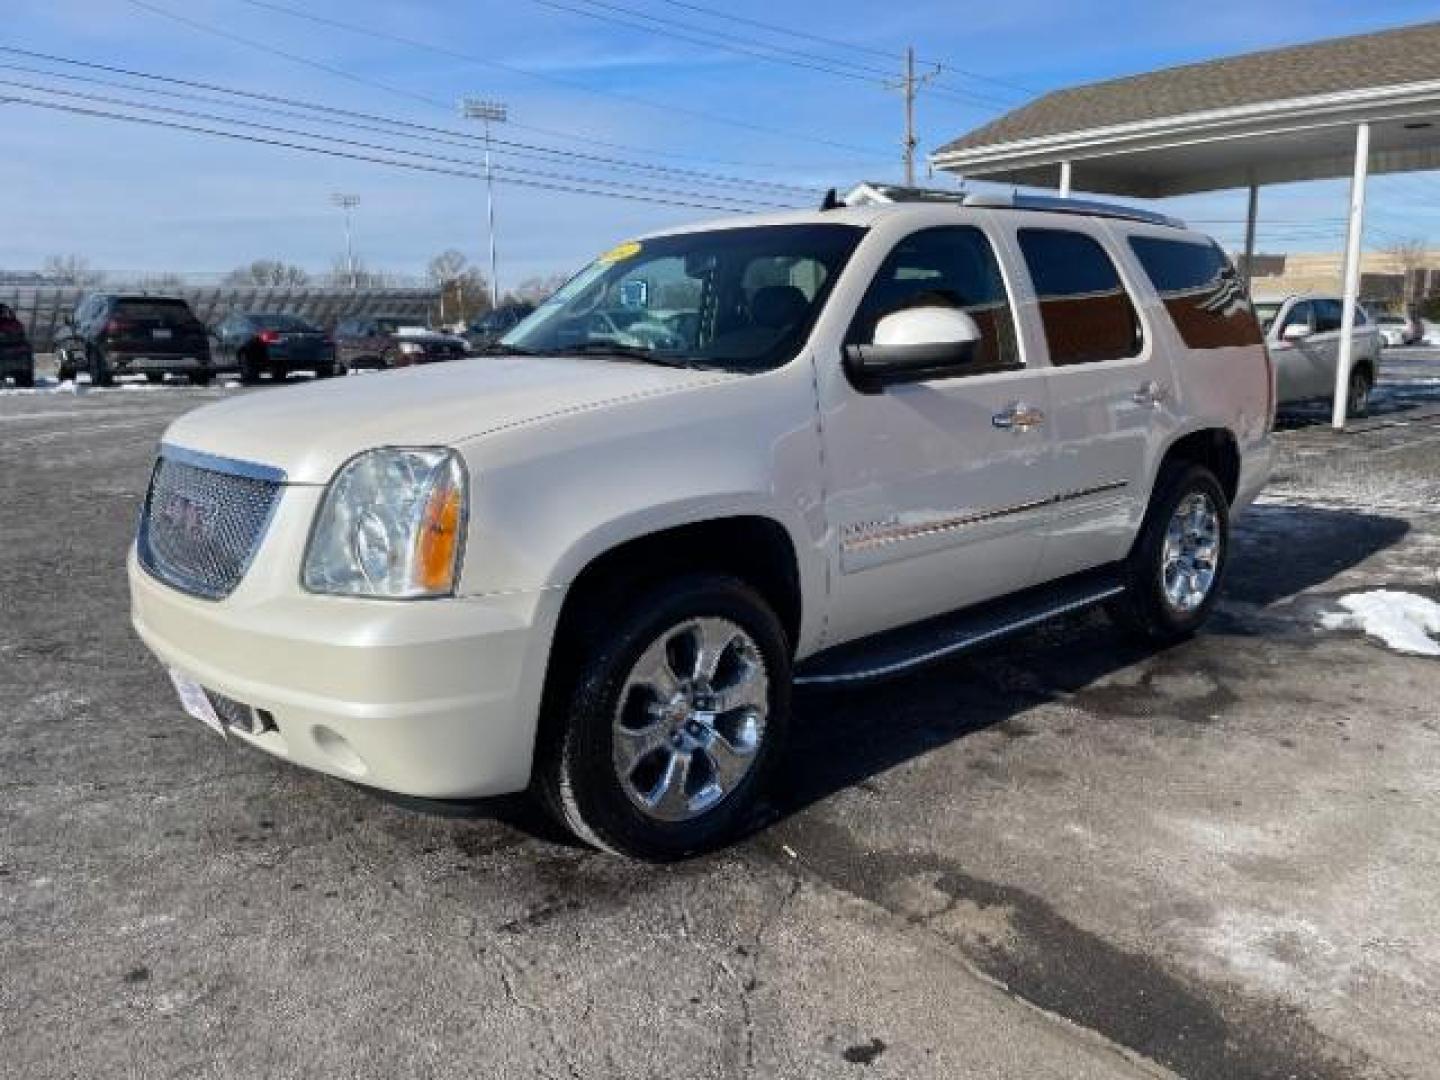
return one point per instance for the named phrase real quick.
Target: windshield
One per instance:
(742, 299)
(1266, 313)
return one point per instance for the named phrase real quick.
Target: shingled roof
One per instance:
(1409, 54)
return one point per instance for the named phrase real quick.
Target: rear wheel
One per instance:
(155, 377)
(1173, 574)
(249, 367)
(201, 378)
(665, 717)
(100, 373)
(1362, 383)
(25, 379)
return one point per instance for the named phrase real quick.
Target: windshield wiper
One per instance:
(625, 352)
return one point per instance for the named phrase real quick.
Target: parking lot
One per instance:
(1063, 857)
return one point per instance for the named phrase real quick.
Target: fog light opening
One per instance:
(335, 747)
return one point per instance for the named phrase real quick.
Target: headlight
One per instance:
(392, 525)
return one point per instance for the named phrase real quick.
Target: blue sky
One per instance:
(137, 199)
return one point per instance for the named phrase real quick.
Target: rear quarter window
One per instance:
(1088, 316)
(1200, 290)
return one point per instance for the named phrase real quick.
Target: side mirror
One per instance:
(1296, 332)
(914, 345)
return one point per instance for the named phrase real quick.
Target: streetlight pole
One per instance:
(348, 203)
(488, 112)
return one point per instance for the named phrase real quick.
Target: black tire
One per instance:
(575, 775)
(25, 380)
(155, 377)
(201, 378)
(249, 367)
(100, 373)
(1145, 609)
(1357, 404)
(325, 371)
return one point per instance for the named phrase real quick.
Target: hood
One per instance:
(309, 431)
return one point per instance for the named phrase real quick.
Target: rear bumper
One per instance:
(436, 699)
(123, 362)
(16, 358)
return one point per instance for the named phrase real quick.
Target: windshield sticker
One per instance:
(620, 253)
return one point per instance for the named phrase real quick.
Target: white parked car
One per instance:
(1396, 331)
(1303, 333)
(880, 435)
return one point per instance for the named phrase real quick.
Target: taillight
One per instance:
(118, 326)
(269, 337)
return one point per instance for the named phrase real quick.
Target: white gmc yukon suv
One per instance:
(721, 462)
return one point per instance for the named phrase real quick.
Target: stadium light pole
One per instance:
(488, 112)
(348, 203)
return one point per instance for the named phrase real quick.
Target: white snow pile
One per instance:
(1405, 622)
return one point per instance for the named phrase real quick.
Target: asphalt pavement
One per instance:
(1064, 857)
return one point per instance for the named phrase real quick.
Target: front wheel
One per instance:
(664, 720)
(1173, 574)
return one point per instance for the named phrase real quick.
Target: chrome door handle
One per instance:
(1150, 393)
(1018, 417)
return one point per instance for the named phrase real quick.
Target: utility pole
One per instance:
(348, 203)
(488, 112)
(909, 86)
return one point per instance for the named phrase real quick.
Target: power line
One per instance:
(470, 58)
(428, 133)
(729, 43)
(839, 44)
(351, 156)
(191, 114)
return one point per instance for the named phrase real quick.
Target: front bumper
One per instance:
(435, 698)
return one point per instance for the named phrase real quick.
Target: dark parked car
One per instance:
(116, 334)
(494, 325)
(17, 361)
(256, 343)
(386, 341)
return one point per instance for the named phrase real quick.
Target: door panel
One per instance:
(1105, 388)
(935, 507)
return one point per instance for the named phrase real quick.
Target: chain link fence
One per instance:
(44, 308)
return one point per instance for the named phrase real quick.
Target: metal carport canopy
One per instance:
(1343, 107)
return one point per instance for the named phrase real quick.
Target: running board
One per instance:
(895, 652)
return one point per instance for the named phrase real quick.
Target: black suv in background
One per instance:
(17, 361)
(386, 341)
(115, 334)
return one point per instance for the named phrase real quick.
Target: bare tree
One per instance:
(464, 292)
(1411, 256)
(537, 289)
(72, 270)
(364, 277)
(164, 280)
(268, 273)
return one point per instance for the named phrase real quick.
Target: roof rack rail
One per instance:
(1057, 205)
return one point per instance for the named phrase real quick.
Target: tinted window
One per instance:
(1299, 315)
(949, 267)
(1200, 290)
(1087, 313)
(159, 310)
(1327, 316)
(282, 322)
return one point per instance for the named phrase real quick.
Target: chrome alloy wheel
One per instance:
(691, 719)
(1191, 553)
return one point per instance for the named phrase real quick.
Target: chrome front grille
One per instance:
(204, 518)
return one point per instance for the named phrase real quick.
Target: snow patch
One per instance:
(1405, 622)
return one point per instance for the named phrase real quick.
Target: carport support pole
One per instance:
(1353, 241)
(1252, 211)
(1064, 179)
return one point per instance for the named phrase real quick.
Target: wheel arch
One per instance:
(1216, 448)
(754, 547)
